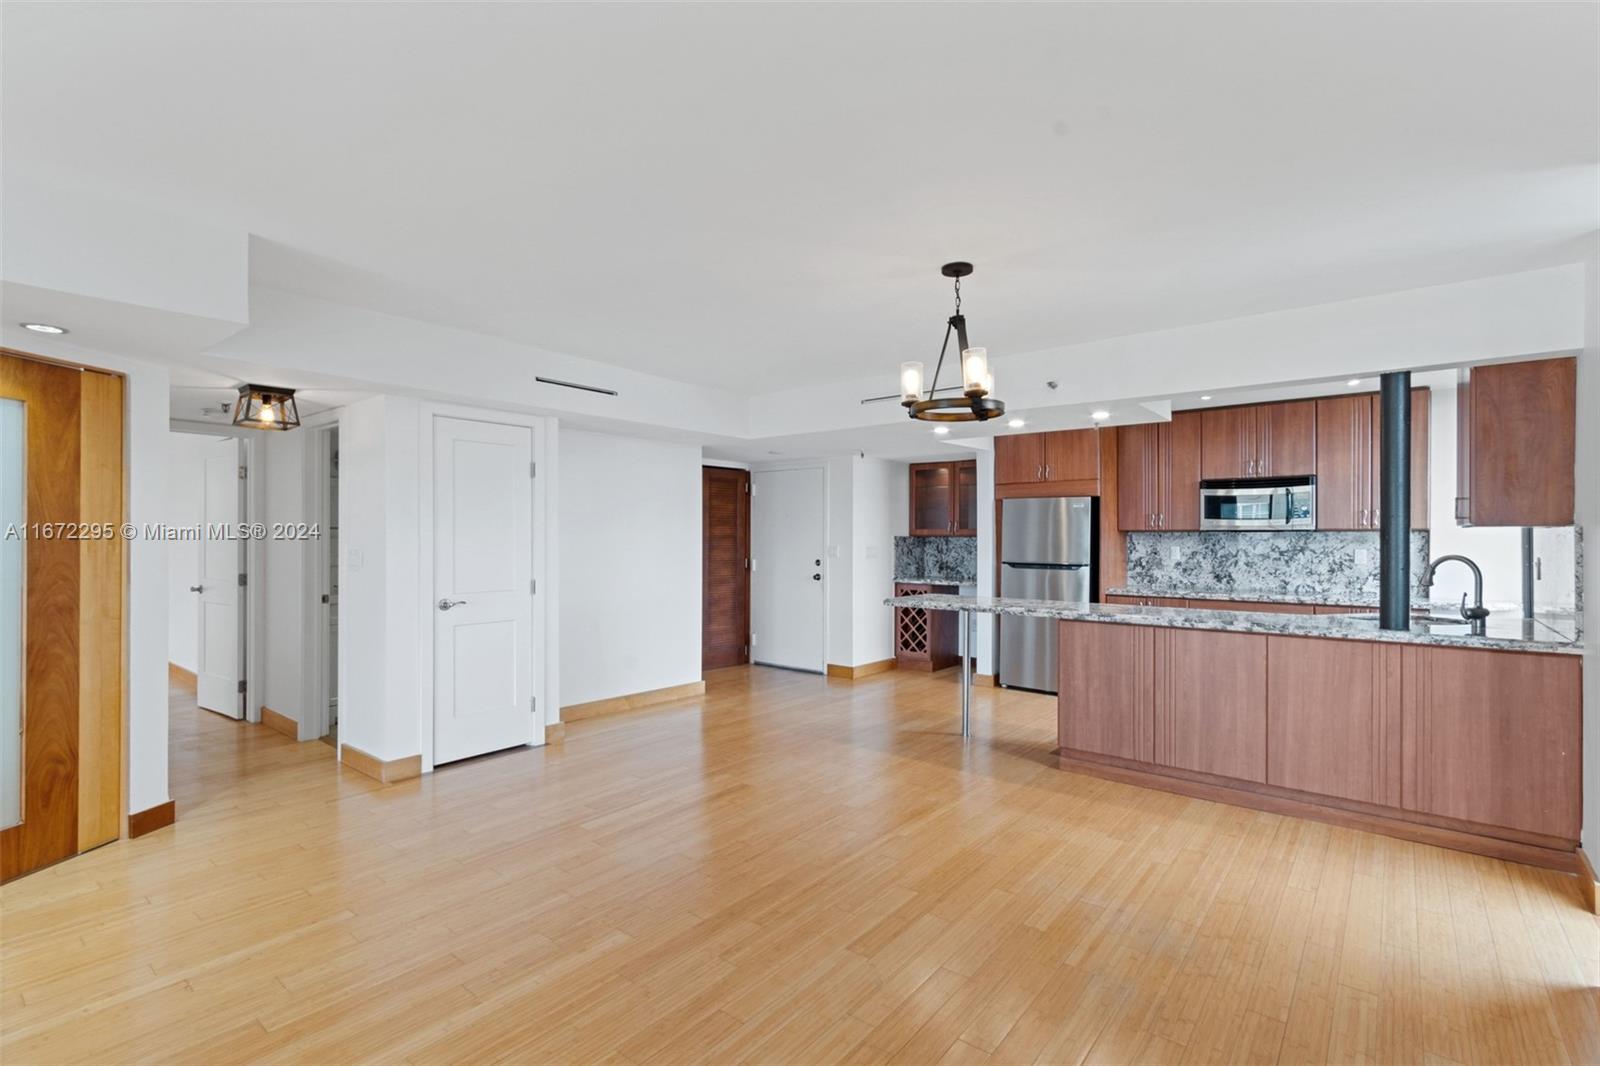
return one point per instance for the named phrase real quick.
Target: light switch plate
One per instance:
(1363, 557)
(353, 559)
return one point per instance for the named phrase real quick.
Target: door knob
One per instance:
(195, 588)
(446, 604)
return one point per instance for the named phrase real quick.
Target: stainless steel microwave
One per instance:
(1264, 503)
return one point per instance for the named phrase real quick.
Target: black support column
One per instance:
(1394, 503)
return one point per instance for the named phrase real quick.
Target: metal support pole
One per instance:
(1394, 503)
(1527, 571)
(965, 642)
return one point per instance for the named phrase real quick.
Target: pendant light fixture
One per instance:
(976, 403)
(266, 407)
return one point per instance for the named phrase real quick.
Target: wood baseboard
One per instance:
(554, 732)
(1459, 840)
(177, 675)
(280, 723)
(387, 772)
(1587, 886)
(618, 704)
(851, 673)
(986, 680)
(148, 821)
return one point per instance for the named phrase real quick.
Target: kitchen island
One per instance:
(1434, 734)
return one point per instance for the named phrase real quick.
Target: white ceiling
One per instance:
(756, 195)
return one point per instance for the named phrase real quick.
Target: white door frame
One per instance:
(255, 602)
(827, 532)
(542, 632)
(313, 617)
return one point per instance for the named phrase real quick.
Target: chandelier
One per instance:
(975, 404)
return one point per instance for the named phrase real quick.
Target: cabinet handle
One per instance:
(1364, 523)
(1047, 471)
(1375, 519)
(1038, 473)
(1161, 520)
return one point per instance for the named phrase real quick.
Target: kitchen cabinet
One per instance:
(1106, 695)
(1254, 605)
(1333, 721)
(1493, 738)
(925, 640)
(944, 499)
(1158, 474)
(1259, 440)
(1211, 702)
(1148, 601)
(1515, 439)
(1070, 456)
(1349, 460)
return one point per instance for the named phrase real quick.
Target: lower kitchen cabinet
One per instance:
(1333, 723)
(1493, 738)
(925, 640)
(1211, 702)
(1107, 688)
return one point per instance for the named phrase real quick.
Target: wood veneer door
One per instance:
(933, 499)
(1227, 442)
(1072, 455)
(1211, 702)
(1421, 409)
(1333, 718)
(1286, 438)
(1521, 443)
(48, 831)
(1106, 701)
(1136, 475)
(1019, 459)
(1493, 737)
(1180, 492)
(725, 567)
(1343, 436)
(966, 505)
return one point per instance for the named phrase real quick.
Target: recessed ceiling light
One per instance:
(1016, 423)
(1353, 382)
(1206, 397)
(43, 327)
(1099, 416)
(941, 430)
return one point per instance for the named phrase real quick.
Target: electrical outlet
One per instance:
(1175, 553)
(1363, 557)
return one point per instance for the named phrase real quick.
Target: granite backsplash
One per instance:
(1305, 563)
(936, 559)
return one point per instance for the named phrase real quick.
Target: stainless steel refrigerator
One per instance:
(1047, 552)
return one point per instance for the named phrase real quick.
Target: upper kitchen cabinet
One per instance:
(1515, 427)
(1260, 440)
(1068, 459)
(1158, 474)
(944, 499)
(1349, 451)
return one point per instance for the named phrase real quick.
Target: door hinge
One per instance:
(747, 564)
(533, 704)
(241, 471)
(533, 469)
(241, 686)
(242, 580)
(533, 586)
(747, 488)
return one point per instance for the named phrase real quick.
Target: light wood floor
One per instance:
(788, 869)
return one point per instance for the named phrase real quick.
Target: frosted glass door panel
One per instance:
(13, 518)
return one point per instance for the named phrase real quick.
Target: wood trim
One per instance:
(1279, 801)
(387, 772)
(1087, 486)
(577, 712)
(280, 723)
(1587, 886)
(985, 680)
(177, 675)
(554, 732)
(100, 613)
(850, 673)
(148, 821)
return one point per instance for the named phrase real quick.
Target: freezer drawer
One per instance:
(1028, 654)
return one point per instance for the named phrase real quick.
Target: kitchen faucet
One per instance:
(1477, 613)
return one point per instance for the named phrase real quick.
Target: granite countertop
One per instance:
(1547, 634)
(1318, 599)
(926, 580)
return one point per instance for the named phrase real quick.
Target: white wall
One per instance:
(881, 511)
(630, 572)
(185, 506)
(837, 567)
(1496, 550)
(280, 463)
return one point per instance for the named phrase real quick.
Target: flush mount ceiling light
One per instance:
(266, 407)
(976, 404)
(44, 327)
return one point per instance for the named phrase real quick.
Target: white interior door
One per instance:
(788, 538)
(220, 628)
(482, 588)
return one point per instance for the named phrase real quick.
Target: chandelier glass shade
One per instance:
(976, 402)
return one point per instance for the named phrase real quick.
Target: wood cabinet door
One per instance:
(1344, 436)
(1493, 737)
(965, 476)
(1522, 427)
(1227, 442)
(1286, 438)
(1211, 702)
(1333, 718)
(1105, 702)
(1019, 459)
(1137, 449)
(1421, 408)
(1072, 455)
(933, 492)
(1179, 507)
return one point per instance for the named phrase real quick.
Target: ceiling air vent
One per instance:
(575, 385)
